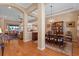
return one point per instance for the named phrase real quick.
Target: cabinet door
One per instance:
(34, 36)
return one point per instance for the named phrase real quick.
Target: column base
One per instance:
(26, 40)
(41, 48)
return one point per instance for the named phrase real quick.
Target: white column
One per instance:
(41, 26)
(25, 28)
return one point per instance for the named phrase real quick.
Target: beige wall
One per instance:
(68, 17)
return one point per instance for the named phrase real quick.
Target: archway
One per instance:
(19, 8)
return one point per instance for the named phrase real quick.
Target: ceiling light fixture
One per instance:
(51, 19)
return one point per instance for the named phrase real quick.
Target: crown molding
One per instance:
(63, 12)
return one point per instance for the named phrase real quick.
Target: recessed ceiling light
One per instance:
(9, 7)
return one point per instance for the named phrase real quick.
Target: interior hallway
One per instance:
(19, 48)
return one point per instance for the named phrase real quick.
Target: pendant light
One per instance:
(51, 19)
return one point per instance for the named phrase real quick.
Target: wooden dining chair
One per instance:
(1, 45)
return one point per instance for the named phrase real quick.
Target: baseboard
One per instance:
(27, 40)
(58, 50)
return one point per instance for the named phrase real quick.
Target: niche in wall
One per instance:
(70, 24)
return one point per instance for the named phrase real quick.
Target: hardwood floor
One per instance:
(19, 48)
(75, 49)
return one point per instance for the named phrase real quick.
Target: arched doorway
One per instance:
(19, 9)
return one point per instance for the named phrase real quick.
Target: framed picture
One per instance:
(71, 24)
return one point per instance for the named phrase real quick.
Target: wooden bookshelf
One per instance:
(57, 28)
